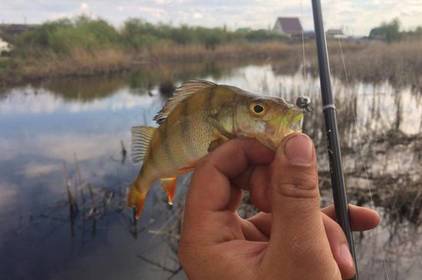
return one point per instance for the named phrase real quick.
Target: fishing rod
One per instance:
(334, 152)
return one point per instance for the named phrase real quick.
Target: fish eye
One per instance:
(257, 108)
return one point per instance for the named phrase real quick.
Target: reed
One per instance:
(375, 61)
(82, 62)
(234, 51)
(82, 47)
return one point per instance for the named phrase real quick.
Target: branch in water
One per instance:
(169, 270)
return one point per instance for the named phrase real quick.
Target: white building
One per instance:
(4, 47)
(335, 33)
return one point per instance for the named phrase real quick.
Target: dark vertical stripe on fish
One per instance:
(186, 130)
(210, 97)
(234, 114)
(166, 143)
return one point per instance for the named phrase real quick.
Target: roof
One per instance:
(290, 25)
(16, 28)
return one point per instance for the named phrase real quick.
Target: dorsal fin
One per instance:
(141, 137)
(184, 91)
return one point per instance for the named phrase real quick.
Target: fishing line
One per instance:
(303, 43)
(346, 76)
(371, 198)
(331, 128)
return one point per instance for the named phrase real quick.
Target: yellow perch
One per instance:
(197, 119)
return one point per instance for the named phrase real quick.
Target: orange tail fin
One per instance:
(136, 200)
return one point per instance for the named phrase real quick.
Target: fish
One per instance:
(198, 118)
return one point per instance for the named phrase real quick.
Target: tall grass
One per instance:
(84, 46)
(400, 63)
(238, 51)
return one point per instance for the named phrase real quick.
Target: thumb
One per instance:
(297, 234)
(294, 184)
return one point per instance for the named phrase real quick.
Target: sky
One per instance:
(356, 17)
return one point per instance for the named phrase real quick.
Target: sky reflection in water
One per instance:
(63, 127)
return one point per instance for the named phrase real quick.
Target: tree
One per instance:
(389, 31)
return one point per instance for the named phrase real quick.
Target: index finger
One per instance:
(361, 218)
(210, 186)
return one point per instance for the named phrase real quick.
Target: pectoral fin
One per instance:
(169, 186)
(217, 142)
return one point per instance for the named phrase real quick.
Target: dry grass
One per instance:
(82, 62)
(235, 51)
(400, 63)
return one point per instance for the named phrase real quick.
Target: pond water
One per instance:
(65, 167)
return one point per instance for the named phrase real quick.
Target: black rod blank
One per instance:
(334, 152)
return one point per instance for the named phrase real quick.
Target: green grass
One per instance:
(4, 63)
(84, 46)
(63, 36)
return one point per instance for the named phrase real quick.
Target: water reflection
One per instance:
(64, 173)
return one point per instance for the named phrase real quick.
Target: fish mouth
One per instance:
(283, 126)
(292, 122)
(297, 123)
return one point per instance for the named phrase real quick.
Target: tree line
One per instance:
(391, 32)
(64, 35)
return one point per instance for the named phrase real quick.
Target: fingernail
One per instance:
(299, 150)
(345, 255)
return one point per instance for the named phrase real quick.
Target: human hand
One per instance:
(294, 240)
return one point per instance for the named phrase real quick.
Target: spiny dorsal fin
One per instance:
(184, 91)
(141, 137)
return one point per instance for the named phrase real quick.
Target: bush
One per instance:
(63, 36)
(388, 31)
(138, 34)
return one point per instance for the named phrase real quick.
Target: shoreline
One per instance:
(399, 63)
(81, 63)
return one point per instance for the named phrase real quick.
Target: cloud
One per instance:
(85, 10)
(43, 102)
(8, 193)
(62, 147)
(9, 149)
(35, 169)
(357, 15)
(197, 15)
(84, 7)
(84, 146)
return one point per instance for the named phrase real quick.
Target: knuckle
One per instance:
(295, 174)
(306, 178)
(296, 191)
(302, 183)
